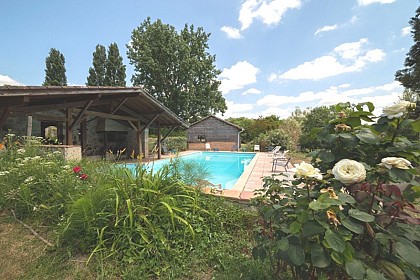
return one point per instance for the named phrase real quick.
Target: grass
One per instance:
(108, 223)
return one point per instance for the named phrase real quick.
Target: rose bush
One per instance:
(345, 216)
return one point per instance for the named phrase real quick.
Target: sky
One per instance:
(274, 55)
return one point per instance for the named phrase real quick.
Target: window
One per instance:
(202, 138)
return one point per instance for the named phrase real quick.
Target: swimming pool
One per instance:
(225, 168)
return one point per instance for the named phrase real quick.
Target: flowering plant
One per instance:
(350, 213)
(80, 174)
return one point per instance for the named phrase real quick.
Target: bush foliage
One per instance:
(349, 214)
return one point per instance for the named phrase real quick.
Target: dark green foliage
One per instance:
(55, 70)
(176, 68)
(115, 69)
(332, 228)
(107, 70)
(409, 77)
(97, 73)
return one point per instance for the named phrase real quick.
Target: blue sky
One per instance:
(274, 55)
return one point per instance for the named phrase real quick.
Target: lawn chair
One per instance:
(282, 162)
(208, 148)
(274, 151)
(256, 148)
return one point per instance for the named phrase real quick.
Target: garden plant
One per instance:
(350, 213)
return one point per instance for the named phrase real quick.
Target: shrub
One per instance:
(345, 216)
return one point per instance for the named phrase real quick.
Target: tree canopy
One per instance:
(98, 71)
(107, 70)
(55, 70)
(176, 68)
(409, 77)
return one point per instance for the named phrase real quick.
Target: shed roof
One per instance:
(121, 103)
(219, 119)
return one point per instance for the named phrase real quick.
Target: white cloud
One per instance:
(231, 32)
(6, 80)
(251, 91)
(368, 2)
(405, 31)
(269, 12)
(345, 58)
(326, 28)
(381, 95)
(235, 110)
(238, 76)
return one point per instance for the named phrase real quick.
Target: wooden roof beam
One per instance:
(107, 115)
(81, 113)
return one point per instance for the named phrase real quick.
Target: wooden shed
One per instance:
(215, 134)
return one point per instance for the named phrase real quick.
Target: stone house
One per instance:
(214, 133)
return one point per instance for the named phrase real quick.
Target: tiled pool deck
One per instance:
(251, 179)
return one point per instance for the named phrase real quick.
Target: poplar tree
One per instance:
(55, 70)
(115, 69)
(97, 73)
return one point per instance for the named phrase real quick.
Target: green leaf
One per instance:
(295, 227)
(326, 156)
(355, 269)
(416, 125)
(391, 270)
(303, 217)
(346, 198)
(361, 216)
(400, 175)
(408, 252)
(354, 121)
(335, 240)
(319, 256)
(283, 244)
(311, 228)
(296, 254)
(374, 275)
(316, 205)
(337, 257)
(352, 225)
(367, 136)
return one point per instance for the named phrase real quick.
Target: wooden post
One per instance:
(139, 138)
(83, 131)
(159, 144)
(29, 128)
(69, 130)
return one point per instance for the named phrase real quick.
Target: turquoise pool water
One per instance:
(225, 168)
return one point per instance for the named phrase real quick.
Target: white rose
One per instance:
(349, 171)
(400, 163)
(396, 110)
(307, 170)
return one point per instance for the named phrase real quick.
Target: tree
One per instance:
(107, 70)
(315, 119)
(246, 124)
(115, 69)
(55, 70)
(409, 77)
(98, 71)
(176, 68)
